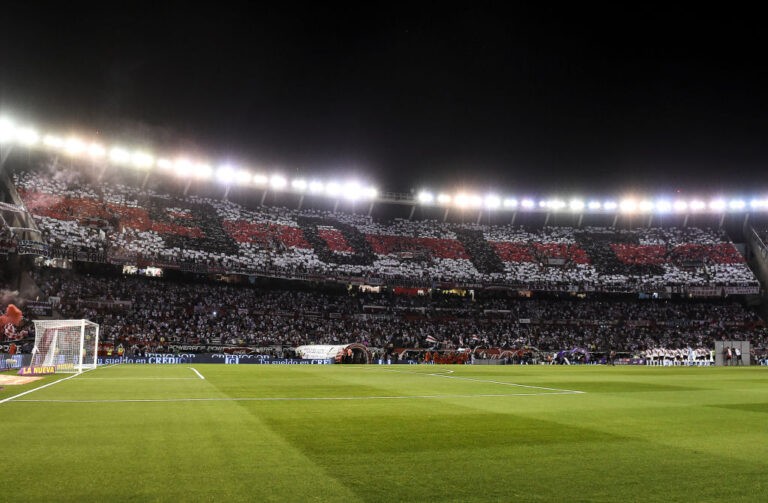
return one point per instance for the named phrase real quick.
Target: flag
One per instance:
(431, 339)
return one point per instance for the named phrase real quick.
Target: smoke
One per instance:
(9, 297)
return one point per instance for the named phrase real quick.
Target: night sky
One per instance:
(527, 98)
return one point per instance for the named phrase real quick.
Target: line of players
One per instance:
(689, 357)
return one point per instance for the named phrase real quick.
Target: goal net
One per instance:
(67, 345)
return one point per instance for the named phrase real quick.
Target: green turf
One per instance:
(351, 433)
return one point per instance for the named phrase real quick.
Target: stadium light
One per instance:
(352, 191)
(628, 206)
(697, 205)
(425, 197)
(142, 160)
(610, 205)
(225, 174)
(27, 137)
(594, 205)
(646, 206)
(119, 155)
(576, 205)
(260, 179)
(164, 164)
(299, 184)
(316, 187)
(278, 182)
(182, 167)
(96, 150)
(202, 171)
(680, 206)
(528, 204)
(737, 204)
(461, 200)
(243, 177)
(7, 130)
(717, 205)
(74, 146)
(371, 193)
(444, 199)
(332, 189)
(53, 141)
(663, 206)
(492, 201)
(510, 202)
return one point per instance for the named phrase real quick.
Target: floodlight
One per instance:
(352, 191)
(260, 179)
(680, 206)
(492, 201)
(737, 204)
(717, 205)
(371, 192)
(164, 163)
(53, 141)
(527, 204)
(278, 182)
(576, 205)
(96, 150)
(461, 200)
(663, 206)
(475, 201)
(142, 160)
(202, 171)
(183, 167)
(610, 205)
(74, 146)
(316, 186)
(299, 184)
(332, 188)
(119, 155)
(758, 204)
(628, 205)
(646, 206)
(225, 174)
(594, 205)
(27, 136)
(510, 202)
(243, 177)
(697, 205)
(543, 203)
(7, 130)
(426, 197)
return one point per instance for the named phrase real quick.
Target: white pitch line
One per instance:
(196, 372)
(141, 379)
(298, 399)
(435, 374)
(38, 388)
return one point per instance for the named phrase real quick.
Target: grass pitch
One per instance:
(399, 433)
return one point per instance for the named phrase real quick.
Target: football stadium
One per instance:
(241, 335)
(405, 256)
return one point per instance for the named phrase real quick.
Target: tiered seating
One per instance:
(125, 222)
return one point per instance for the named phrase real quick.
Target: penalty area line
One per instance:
(193, 369)
(36, 389)
(298, 399)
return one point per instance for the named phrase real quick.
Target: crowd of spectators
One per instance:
(119, 223)
(155, 314)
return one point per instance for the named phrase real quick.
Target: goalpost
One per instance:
(67, 345)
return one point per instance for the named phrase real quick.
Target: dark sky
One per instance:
(525, 98)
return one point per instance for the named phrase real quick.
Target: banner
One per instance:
(228, 359)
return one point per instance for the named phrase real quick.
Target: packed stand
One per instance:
(117, 223)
